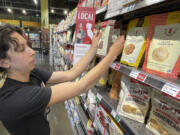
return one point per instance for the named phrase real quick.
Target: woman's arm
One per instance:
(63, 91)
(77, 69)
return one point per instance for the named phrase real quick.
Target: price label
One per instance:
(113, 113)
(141, 77)
(172, 90)
(117, 67)
(137, 75)
(113, 65)
(134, 74)
(85, 106)
(99, 96)
(94, 124)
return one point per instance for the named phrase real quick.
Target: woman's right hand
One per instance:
(117, 46)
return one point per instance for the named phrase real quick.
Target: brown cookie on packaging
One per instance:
(160, 54)
(129, 49)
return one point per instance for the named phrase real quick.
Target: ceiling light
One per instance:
(9, 10)
(65, 12)
(35, 2)
(24, 11)
(52, 10)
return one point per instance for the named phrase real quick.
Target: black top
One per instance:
(23, 105)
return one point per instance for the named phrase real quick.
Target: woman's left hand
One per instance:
(95, 40)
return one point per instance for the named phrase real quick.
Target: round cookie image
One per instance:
(160, 54)
(129, 49)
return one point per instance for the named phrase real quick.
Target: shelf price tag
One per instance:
(172, 90)
(98, 98)
(117, 67)
(85, 106)
(134, 74)
(115, 115)
(137, 75)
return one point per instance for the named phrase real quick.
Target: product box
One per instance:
(163, 50)
(106, 28)
(135, 43)
(164, 117)
(105, 122)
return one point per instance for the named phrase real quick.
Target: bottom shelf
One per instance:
(73, 125)
(130, 127)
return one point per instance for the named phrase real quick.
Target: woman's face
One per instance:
(22, 59)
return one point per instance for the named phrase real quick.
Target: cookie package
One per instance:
(135, 43)
(164, 115)
(134, 99)
(107, 29)
(162, 55)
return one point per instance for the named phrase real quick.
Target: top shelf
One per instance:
(169, 87)
(137, 9)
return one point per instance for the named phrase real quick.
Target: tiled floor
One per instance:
(59, 122)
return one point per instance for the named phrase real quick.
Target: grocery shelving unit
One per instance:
(138, 8)
(170, 87)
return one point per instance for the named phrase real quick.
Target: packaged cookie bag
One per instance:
(134, 99)
(135, 42)
(104, 43)
(114, 92)
(164, 117)
(163, 45)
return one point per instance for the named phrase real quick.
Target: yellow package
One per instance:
(103, 80)
(135, 43)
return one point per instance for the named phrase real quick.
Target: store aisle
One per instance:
(59, 122)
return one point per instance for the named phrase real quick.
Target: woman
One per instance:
(23, 97)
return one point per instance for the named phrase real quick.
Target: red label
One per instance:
(141, 77)
(178, 95)
(104, 24)
(117, 67)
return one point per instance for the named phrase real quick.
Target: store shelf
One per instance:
(80, 129)
(101, 10)
(142, 8)
(170, 87)
(85, 107)
(140, 4)
(65, 44)
(73, 125)
(83, 117)
(130, 127)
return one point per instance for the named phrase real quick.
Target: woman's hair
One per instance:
(6, 40)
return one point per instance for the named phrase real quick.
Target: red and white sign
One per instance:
(137, 75)
(85, 21)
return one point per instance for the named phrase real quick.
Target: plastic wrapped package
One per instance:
(91, 102)
(164, 117)
(134, 99)
(106, 123)
(103, 80)
(114, 92)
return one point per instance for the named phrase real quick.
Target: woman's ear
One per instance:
(4, 63)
